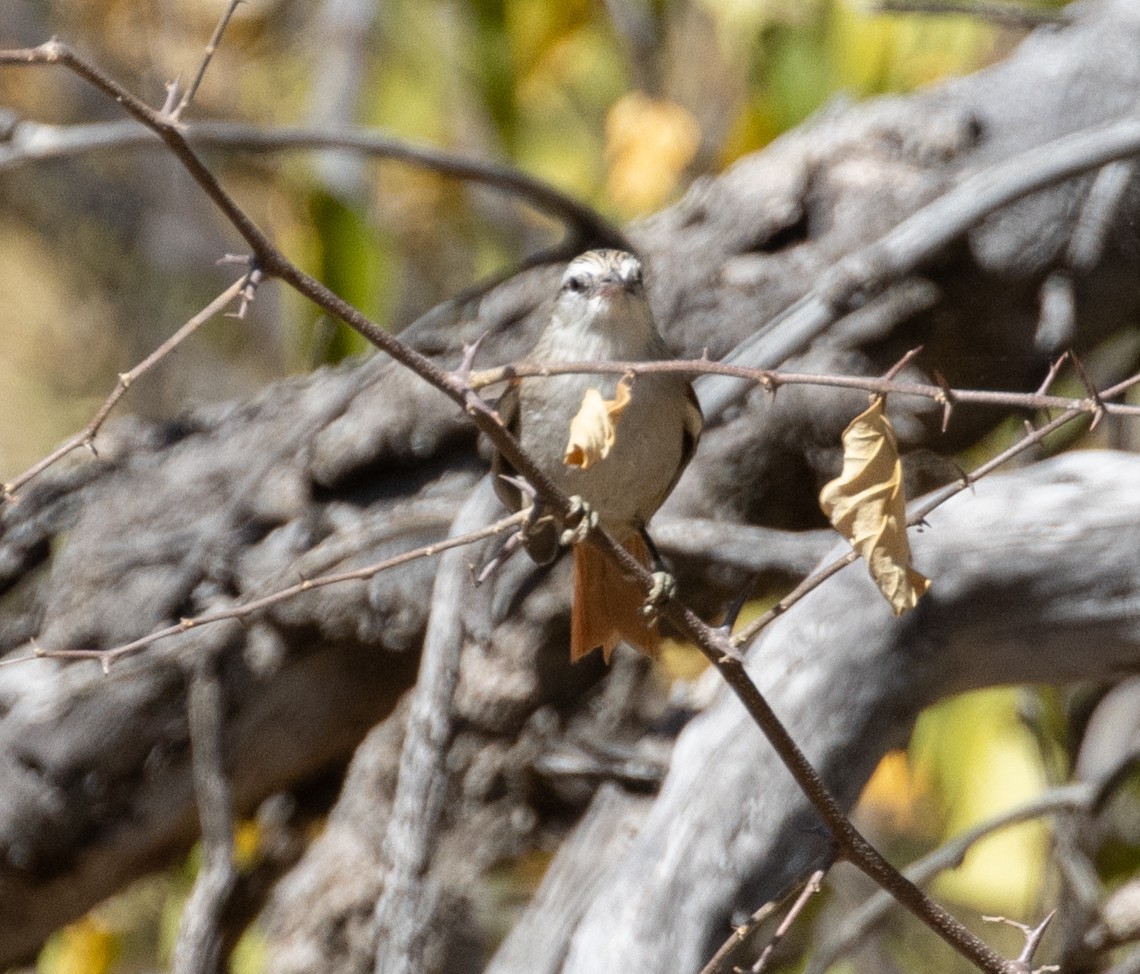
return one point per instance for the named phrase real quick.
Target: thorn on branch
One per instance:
(1033, 937)
(173, 93)
(1094, 394)
(902, 363)
(730, 656)
(1051, 377)
(249, 290)
(470, 350)
(244, 259)
(498, 559)
(945, 397)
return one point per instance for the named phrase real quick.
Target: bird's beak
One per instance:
(611, 286)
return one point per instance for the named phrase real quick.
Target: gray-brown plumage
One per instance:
(601, 314)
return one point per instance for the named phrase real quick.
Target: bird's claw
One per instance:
(583, 517)
(664, 587)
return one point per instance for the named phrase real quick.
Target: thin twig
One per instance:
(207, 56)
(811, 888)
(736, 939)
(773, 379)
(863, 921)
(108, 656)
(85, 438)
(718, 963)
(1051, 375)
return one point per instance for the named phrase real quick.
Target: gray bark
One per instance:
(1035, 580)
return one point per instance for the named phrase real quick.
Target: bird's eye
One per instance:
(577, 284)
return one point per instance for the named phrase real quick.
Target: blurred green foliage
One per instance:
(546, 86)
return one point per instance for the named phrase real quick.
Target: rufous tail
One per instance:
(607, 604)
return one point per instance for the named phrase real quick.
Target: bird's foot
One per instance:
(583, 518)
(664, 587)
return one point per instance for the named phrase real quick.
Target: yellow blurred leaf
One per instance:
(247, 844)
(898, 796)
(83, 947)
(649, 142)
(594, 429)
(983, 759)
(866, 505)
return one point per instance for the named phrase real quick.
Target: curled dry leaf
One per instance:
(866, 505)
(594, 429)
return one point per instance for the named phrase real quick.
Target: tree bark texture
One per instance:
(352, 464)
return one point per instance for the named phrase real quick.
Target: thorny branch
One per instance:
(863, 920)
(86, 436)
(916, 239)
(1040, 400)
(108, 656)
(1032, 437)
(772, 380)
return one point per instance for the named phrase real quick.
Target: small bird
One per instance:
(602, 314)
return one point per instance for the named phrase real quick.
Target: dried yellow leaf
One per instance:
(594, 429)
(649, 142)
(867, 506)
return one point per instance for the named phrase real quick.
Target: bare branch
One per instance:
(774, 379)
(108, 656)
(811, 888)
(861, 922)
(207, 56)
(86, 436)
(1032, 437)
